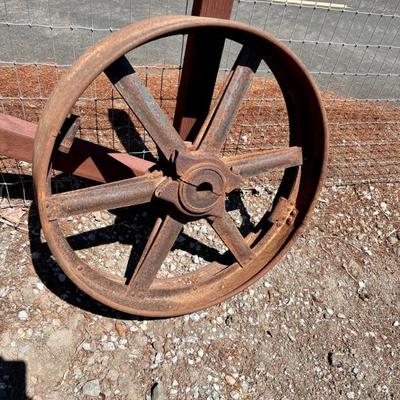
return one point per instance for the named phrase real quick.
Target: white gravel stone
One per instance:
(86, 346)
(194, 317)
(158, 358)
(91, 388)
(23, 315)
(109, 346)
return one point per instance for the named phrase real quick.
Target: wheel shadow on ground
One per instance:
(13, 380)
(120, 231)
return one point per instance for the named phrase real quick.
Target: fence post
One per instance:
(200, 69)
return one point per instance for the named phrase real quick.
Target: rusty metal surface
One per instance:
(231, 98)
(112, 195)
(71, 128)
(160, 243)
(192, 180)
(260, 162)
(124, 78)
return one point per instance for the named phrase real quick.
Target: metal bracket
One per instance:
(284, 212)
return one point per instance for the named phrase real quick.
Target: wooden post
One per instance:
(200, 69)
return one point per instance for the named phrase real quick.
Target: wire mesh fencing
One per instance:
(352, 48)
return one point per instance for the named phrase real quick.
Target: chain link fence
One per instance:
(352, 49)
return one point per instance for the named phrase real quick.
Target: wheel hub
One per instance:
(200, 185)
(201, 188)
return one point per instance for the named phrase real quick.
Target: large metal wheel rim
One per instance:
(86, 69)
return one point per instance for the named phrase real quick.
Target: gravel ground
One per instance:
(325, 323)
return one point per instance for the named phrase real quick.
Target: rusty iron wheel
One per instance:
(303, 163)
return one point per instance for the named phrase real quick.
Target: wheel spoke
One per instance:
(108, 196)
(233, 239)
(141, 102)
(263, 161)
(228, 105)
(160, 242)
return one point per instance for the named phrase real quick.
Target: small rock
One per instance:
(158, 392)
(121, 328)
(158, 358)
(234, 394)
(338, 360)
(230, 380)
(113, 375)
(23, 315)
(396, 324)
(143, 326)
(109, 346)
(392, 240)
(97, 216)
(358, 374)
(91, 388)
(350, 395)
(354, 268)
(86, 346)
(194, 317)
(367, 250)
(341, 316)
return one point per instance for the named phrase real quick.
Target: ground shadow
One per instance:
(121, 231)
(13, 380)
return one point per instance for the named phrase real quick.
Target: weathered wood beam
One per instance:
(84, 158)
(200, 69)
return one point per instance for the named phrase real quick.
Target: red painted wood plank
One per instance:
(85, 159)
(200, 68)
